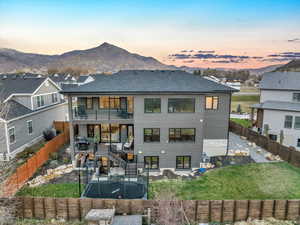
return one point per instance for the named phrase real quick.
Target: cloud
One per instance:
(183, 51)
(206, 51)
(294, 40)
(188, 61)
(208, 56)
(283, 56)
(228, 61)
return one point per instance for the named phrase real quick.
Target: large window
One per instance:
(151, 135)
(211, 102)
(29, 127)
(298, 142)
(89, 103)
(54, 97)
(297, 122)
(288, 122)
(183, 162)
(151, 162)
(181, 105)
(152, 105)
(40, 101)
(296, 97)
(90, 130)
(106, 135)
(11, 134)
(106, 102)
(182, 135)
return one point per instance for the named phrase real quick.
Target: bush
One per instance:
(48, 134)
(53, 155)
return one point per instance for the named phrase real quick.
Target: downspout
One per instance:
(227, 148)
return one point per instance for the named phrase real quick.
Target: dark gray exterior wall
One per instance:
(164, 121)
(40, 121)
(216, 121)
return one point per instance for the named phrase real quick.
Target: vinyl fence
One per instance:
(26, 170)
(288, 154)
(195, 210)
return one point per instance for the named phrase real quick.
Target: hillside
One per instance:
(292, 66)
(104, 58)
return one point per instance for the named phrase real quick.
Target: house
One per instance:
(279, 107)
(61, 79)
(32, 103)
(159, 119)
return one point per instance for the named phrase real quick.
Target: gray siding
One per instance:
(164, 121)
(216, 121)
(40, 121)
(3, 145)
(47, 89)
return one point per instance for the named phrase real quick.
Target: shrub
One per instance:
(48, 134)
(53, 155)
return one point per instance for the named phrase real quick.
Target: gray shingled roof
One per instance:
(12, 84)
(149, 81)
(15, 109)
(281, 81)
(278, 105)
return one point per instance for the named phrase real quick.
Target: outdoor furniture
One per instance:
(81, 112)
(82, 143)
(128, 145)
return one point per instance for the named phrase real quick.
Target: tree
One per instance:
(239, 109)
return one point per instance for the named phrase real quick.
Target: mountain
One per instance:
(293, 66)
(104, 58)
(266, 69)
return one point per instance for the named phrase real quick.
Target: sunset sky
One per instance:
(205, 33)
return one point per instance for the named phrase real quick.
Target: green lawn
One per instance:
(245, 101)
(68, 190)
(244, 123)
(251, 181)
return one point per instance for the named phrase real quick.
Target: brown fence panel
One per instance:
(27, 170)
(267, 209)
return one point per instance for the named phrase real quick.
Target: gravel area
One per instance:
(256, 153)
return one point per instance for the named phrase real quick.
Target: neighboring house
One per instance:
(61, 80)
(163, 119)
(279, 107)
(32, 104)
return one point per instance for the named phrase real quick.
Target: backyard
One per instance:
(277, 180)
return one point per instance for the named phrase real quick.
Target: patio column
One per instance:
(252, 117)
(71, 127)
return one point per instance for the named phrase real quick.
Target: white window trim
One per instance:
(28, 121)
(9, 135)
(41, 96)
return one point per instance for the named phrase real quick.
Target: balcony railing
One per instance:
(101, 114)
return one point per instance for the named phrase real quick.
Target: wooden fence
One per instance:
(288, 154)
(196, 210)
(26, 170)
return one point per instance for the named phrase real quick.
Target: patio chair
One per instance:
(82, 112)
(128, 145)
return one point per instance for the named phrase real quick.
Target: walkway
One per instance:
(256, 153)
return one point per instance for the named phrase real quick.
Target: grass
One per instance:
(278, 180)
(67, 190)
(245, 101)
(244, 123)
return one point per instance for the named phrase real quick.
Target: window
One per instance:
(151, 162)
(29, 127)
(40, 101)
(90, 130)
(182, 135)
(152, 105)
(297, 122)
(211, 102)
(54, 98)
(89, 103)
(296, 97)
(183, 105)
(288, 122)
(151, 135)
(298, 142)
(183, 162)
(11, 134)
(106, 102)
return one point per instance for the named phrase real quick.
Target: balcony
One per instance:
(80, 113)
(102, 108)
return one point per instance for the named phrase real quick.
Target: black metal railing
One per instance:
(81, 113)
